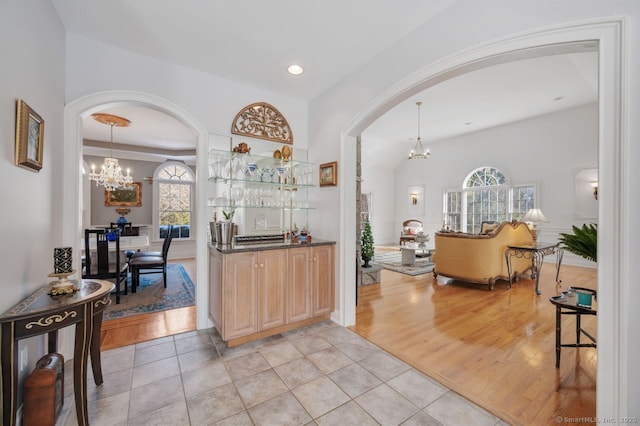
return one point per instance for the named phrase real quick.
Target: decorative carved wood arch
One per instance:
(263, 121)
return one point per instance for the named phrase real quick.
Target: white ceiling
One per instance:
(228, 39)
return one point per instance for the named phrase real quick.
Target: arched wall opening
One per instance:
(75, 112)
(607, 37)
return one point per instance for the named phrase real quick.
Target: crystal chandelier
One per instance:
(110, 175)
(418, 152)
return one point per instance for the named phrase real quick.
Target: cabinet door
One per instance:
(323, 287)
(215, 288)
(240, 295)
(271, 288)
(299, 286)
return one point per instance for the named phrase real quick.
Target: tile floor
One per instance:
(318, 375)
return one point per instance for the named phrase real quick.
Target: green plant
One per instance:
(583, 241)
(367, 251)
(228, 216)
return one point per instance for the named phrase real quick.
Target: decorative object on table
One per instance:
(329, 174)
(122, 212)
(130, 196)
(418, 152)
(582, 242)
(110, 175)
(422, 238)
(62, 269)
(242, 148)
(62, 260)
(277, 154)
(367, 250)
(534, 216)
(29, 137)
(263, 121)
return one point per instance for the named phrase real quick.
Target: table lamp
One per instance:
(534, 216)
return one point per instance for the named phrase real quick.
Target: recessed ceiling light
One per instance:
(468, 123)
(559, 98)
(295, 69)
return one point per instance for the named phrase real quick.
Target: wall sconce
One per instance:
(414, 199)
(594, 185)
(148, 179)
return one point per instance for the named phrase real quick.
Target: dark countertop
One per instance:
(239, 248)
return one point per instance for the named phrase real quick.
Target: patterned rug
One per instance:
(151, 296)
(393, 262)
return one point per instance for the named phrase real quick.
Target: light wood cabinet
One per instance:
(256, 294)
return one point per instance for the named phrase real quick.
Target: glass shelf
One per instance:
(229, 167)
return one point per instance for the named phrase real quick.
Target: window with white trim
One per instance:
(174, 188)
(485, 196)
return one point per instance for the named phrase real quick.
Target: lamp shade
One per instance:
(535, 216)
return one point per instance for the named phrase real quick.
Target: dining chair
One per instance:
(97, 263)
(149, 262)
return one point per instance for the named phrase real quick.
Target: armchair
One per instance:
(410, 229)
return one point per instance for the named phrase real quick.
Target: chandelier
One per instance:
(418, 152)
(110, 175)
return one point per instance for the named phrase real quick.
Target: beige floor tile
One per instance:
(452, 409)
(175, 414)
(197, 358)
(240, 419)
(214, 405)
(206, 378)
(260, 387)
(417, 388)
(154, 353)
(330, 360)
(109, 411)
(308, 344)
(246, 365)
(320, 396)
(154, 371)
(284, 409)
(298, 372)
(191, 343)
(387, 406)
(354, 380)
(383, 366)
(152, 396)
(347, 414)
(280, 353)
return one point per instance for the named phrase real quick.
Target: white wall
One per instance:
(380, 183)
(544, 151)
(32, 51)
(345, 110)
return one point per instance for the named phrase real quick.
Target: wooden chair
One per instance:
(150, 262)
(103, 268)
(410, 228)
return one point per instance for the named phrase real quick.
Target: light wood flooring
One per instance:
(496, 348)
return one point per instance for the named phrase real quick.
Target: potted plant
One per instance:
(225, 229)
(583, 241)
(367, 251)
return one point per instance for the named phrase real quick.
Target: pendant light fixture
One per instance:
(418, 152)
(110, 176)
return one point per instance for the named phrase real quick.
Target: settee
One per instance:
(410, 228)
(481, 258)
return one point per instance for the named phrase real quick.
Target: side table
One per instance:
(536, 252)
(567, 304)
(43, 314)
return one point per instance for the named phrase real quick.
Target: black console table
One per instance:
(536, 252)
(39, 314)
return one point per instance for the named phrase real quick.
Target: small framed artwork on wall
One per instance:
(29, 137)
(329, 174)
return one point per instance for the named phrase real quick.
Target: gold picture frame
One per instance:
(329, 174)
(124, 197)
(29, 136)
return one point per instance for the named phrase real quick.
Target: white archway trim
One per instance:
(608, 34)
(74, 112)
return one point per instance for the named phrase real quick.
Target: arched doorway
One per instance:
(75, 111)
(607, 35)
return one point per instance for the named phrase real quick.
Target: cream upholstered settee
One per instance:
(480, 258)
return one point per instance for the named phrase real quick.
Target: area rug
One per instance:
(151, 296)
(393, 262)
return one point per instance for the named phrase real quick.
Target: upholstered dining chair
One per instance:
(98, 262)
(149, 262)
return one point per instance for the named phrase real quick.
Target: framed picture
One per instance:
(329, 174)
(29, 137)
(125, 197)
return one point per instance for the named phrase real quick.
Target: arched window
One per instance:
(485, 196)
(174, 187)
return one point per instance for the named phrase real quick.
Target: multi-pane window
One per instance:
(485, 196)
(175, 199)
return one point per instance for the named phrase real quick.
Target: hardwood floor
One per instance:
(496, 348)
(140, 328)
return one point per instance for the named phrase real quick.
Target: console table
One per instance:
(42, 314)
(536, 252)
